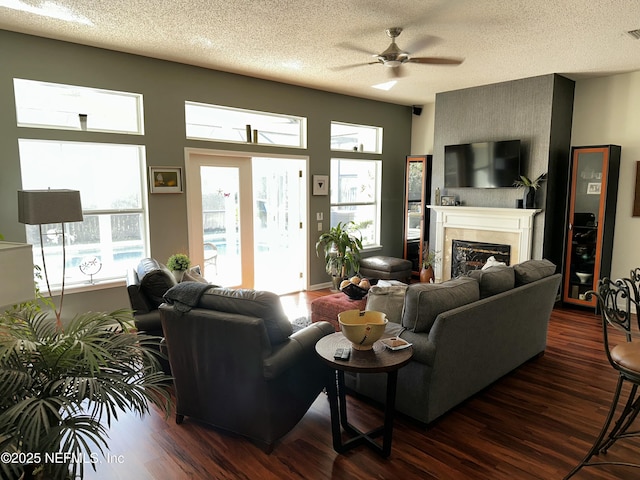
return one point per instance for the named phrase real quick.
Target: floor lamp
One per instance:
(41, 207)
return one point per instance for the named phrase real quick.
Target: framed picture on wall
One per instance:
(448, 200)
(593, 188)
(165, 180)
(321, 184)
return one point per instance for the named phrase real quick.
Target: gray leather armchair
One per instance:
(237, 366)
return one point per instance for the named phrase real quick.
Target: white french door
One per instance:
(247, 220)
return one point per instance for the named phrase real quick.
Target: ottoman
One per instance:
(328, 307)
(388, 268)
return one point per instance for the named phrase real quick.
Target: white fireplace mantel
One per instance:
(512, 226)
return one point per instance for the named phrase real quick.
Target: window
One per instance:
(111, 181)
(355, 196)
(359, 138)
(68, 107)
(226, 124)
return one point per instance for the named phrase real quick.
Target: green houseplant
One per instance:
(341, 246)
(178, 264)
(60, 388)
(529, 186)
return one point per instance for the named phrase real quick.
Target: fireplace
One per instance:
(504, 226)
(467, 256)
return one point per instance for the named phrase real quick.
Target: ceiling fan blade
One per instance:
(436, 60)
(348, 67)
(422, 43)
(354, 48)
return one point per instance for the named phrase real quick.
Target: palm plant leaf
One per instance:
(59, 387)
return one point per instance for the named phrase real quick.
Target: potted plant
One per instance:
(341, 246)
(178, 264)
(61, 387)
(429, 259)
(530, 187)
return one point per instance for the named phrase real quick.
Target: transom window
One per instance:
(355, 196)
(69, 107)
(226, 124)
(358, 138)
(111, 181)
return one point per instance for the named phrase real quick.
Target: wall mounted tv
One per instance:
(482, 165)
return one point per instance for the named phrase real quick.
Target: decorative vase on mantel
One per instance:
(427, 275)
(529, 197)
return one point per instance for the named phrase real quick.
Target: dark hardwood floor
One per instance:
(535, 423)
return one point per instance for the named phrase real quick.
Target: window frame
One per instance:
(103, 215)
(376, 203)
(248, 133)
(379, 131)
(84, 103)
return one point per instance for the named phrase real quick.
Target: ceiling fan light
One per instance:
(385, 86)
(392, 63)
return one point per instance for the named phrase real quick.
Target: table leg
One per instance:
(338, 408)
(332, 394)
(389, 412)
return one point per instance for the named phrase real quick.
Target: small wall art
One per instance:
(448, 200)
(165, 180)
(593, 188)
(321, 184)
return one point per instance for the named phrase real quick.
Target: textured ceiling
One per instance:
(305, 42)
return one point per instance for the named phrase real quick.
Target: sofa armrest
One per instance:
(148, 322)
(299, 345)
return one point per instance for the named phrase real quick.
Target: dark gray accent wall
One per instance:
(537, 111)
(165, 86)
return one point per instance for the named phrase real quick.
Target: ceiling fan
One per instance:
(394, 57)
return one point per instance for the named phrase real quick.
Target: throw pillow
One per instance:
(532, 270)
(425, 301)
(388, 300)
(494, 280)
(194, 275)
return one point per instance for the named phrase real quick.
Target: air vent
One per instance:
(635, 33)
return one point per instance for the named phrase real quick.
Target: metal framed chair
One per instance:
(615, 299)
(211, 256)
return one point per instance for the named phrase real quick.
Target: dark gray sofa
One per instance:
(466, 334)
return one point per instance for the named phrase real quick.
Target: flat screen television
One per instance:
(482, 164)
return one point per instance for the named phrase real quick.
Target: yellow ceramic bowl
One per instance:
(363, 329)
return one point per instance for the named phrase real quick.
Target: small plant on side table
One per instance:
(178, 264)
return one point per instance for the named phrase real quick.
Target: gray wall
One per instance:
(535, 110)
(165, 86)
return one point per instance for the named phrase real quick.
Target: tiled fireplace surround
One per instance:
(509, 226)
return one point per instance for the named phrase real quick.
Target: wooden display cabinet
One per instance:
(417, 197)
(592, 209)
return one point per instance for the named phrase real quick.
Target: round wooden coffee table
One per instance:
(380, 359)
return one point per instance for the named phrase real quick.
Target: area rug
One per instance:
(299, 323)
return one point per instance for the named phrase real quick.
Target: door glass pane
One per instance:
(278, 236)
(585, 223)
(221, 225)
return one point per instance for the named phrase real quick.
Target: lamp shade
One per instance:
(38, 207)
(16, 261)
